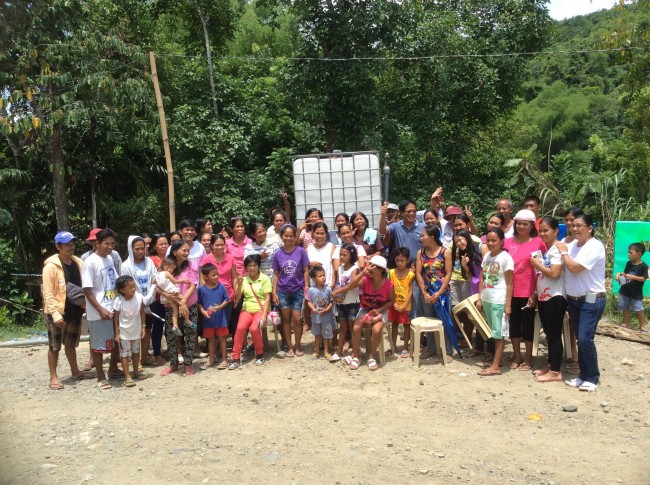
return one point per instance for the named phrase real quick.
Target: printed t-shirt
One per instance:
(209, 298)
(262, 285)
(547, 287)
(130, 322)
(99, 274)
(345, 276)
(524, 279)
(269, 247)
(290, 268)
(401, 286)
(494, 280)
(320, 299)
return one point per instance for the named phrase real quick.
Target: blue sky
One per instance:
(561, 9)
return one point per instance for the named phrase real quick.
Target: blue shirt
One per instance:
(209, 297)
(320, 299)
(403, 237)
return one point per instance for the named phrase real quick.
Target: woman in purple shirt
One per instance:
(290, 284)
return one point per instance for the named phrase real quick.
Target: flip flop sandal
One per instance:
(354, 364)
(189, 370)
(372, 364)
(84, 375)
(56, 387)
(139, 376)
(290, 354)
(204, 366)
(405, 354)
(524, 367)
(347, 360)
(87, 368)
(129, 384)
(334, 358)
(104, 385)
(222, 366)
(299, 353)
(486, 373)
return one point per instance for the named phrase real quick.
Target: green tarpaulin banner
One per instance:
(628, 232)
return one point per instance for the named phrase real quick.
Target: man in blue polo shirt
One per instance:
(405, 233)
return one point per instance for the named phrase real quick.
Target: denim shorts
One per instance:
(627, 303)
(347, 312)
(292, 300)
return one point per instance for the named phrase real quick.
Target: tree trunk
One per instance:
(58, 180)
(93, 168)
(208, 52)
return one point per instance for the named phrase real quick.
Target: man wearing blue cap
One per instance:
(61, 277)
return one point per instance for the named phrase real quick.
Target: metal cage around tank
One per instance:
(338, 182)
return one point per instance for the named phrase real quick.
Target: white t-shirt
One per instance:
(323, 256)
(99, 274)
(494, 281)
(130, 322)
(547, 287)
(197, 251)
(592, 279)
(360, 252)
(351, 296)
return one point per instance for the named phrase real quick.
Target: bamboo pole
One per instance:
(163, 131)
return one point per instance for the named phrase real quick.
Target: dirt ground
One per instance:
(307, 421)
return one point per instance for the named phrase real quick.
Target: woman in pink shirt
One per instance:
(522, 320)
(236, 247)
(188, 308)
(225, 264)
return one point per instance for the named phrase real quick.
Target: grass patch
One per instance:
(9, 330)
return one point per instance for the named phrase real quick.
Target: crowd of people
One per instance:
(335, 282)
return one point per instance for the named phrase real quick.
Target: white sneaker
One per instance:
(259, 361)
(577, 382)
(588, 387)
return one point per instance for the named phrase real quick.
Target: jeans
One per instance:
(585, 317)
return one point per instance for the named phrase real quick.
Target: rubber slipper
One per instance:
(290, 354)
(524, 367)
(354, 364)
(347, 360)
(372, 364)
(129, 384)
(299, 353)
(222, 366)
(204, 366)
(139, 376)
(84, 375)
(57, 386)
(281, 354)
(334, 358)
(405, 354)
(514, 365)
(189, 370)
(487, 373)
(104, 385)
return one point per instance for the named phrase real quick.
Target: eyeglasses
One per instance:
(577, 226)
